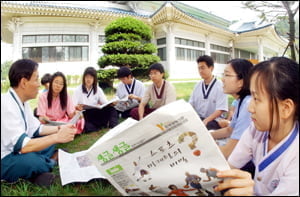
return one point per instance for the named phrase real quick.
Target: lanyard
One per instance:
(205, 96)
(279, 151)
(159, 96)
(130, 88)
(90, 92)
(20, 109)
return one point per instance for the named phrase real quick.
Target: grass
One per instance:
(95, 187)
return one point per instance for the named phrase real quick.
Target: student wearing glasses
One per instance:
(159, 93)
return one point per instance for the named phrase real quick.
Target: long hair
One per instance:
(242, 68)
(90, 71)
(279, 78)
(63, 95)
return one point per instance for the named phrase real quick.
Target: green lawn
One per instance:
(81, 142)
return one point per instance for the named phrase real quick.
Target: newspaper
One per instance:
(57, 123)
(168, 152)
(77, 167)
(86, 106)
(126, 104)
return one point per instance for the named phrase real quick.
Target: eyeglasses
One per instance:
(153, 73)
(227, 75)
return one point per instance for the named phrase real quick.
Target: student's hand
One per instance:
(236, 183)
(44, 119)
(223, 123)
(66, 133)
(79, 107)
(205, 122)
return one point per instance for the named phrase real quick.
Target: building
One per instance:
(67, 36)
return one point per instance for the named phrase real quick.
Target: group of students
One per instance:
(262, 131)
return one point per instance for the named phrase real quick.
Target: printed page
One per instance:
(58, 123)
(85, 106)
(76, 167)
(126, 104)
(168, 151)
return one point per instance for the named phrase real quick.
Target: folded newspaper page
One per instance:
(77, 167)
(86, 106)
(126, 104)
(169, 152)
(72, 121)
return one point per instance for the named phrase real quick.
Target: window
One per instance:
(161, 41)
(188, 54)
(28, 39)
(56, 53)
(55, 38)
(187, 42)
(42, 38)
(101, 39)
(219, 48)
(220, 57)
(82, 38)
(68, 38)
(161, 52)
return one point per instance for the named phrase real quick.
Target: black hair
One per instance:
(207, 59)
(279, 77)
(46, 79)
(242, 68)
(90, 71)
(63, 95)
(124, 71)
(157, 66)
(22, 68)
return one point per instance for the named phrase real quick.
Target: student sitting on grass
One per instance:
(56, 104)
(160, 93)
(131, 87)
(27, 147)
(91, 94)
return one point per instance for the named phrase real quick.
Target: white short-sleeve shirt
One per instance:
(138, 89)
(14, 124)
(281, 176)
(216, 99)
(89, 98)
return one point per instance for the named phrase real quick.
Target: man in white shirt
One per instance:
(27, 147)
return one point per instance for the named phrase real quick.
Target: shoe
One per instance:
(45, 179)
(54, 157)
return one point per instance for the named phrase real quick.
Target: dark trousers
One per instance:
(212, 124)
(96, 119)
(134, 113)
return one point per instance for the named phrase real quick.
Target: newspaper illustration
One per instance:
(168, 152)
(72, 121)
(86, 106)
(126, 104)
(77, 167)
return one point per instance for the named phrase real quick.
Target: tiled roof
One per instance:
(73, 7)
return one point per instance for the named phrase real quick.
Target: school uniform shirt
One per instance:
(277, 171)
(168, 95)
(136, 87)
(89, 98)
(207, 101)
(18, 125)
(241, 118)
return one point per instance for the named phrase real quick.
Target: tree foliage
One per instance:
(275, 11)
(128, 43)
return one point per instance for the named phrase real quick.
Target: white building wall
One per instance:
(60, 26)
